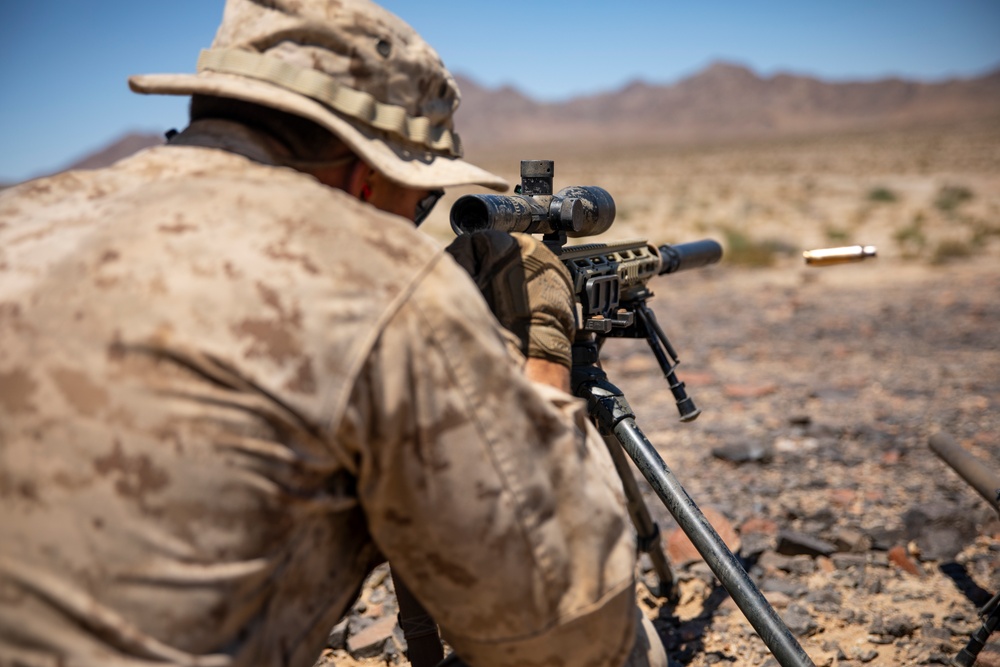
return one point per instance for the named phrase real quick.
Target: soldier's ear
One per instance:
(359, 182)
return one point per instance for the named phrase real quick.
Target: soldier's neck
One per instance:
(234, 137)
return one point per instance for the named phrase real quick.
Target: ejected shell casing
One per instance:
(845, 255)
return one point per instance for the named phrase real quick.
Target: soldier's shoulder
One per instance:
(170, 202)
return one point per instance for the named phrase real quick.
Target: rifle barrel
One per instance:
(968, 467)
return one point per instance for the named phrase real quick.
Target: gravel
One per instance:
(819, 390)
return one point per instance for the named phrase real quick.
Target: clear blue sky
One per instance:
(64, 63)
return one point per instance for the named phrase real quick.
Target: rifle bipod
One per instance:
(990, 614)
(647, 530)
(615, 420)
(423, 641)
(987, 484)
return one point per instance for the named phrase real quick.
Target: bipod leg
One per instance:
(612, 413)
(991, 620)
(423, 642)
(647, 530)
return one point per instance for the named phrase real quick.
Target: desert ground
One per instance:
(819, 388)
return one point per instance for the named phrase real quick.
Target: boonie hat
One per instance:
(347, 65)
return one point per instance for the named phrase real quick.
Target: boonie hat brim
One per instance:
(411, 167)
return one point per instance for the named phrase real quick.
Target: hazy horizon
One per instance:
(63, 102)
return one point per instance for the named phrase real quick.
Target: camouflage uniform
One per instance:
(226, 391)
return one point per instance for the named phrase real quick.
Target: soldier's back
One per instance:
(178, 334)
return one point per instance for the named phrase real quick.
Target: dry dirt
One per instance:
(819, 387)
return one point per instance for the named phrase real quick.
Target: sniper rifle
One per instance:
(611, 291)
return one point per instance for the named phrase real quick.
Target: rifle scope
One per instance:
(579, 210)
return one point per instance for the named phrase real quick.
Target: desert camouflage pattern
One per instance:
(227, 391)
(349, 66)
(362, 45)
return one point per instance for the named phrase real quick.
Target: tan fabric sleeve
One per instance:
(493, 498)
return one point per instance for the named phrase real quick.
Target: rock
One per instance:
(990, 655)
(797, 446)
(850, 540)
(898, 556)
(821, 521)
(940, 635)
(379, 576)
(759, 525)
(784, 586)
(681, 551)
(749, 390)
(842, 497)
(959, 624)
(833, 647)
(755, 544)
(770, 562)
(791, 543)
(752, 452)
(883, 538)
(799, 621)
(801, 565)
(872, 585)
(896, 626)
(848, 561)
(825, 599)
(939, 531)
(864, 655)
(692, 590)
(757, 535)
(371, 641)
(357, 623)
(891, 457)
(877, 559)
(848, 616)
(338, 636)
(378, 596)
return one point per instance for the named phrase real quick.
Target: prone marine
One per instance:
(234, 377)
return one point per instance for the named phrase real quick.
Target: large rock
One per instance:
(371, 641)
(791, 543)
(682, 552)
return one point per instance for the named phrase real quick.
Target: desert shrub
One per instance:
(882, 195)
(837, 235)
(951, 249)
(950, 197)
(982, 230)
(911, 239)
(745, 251)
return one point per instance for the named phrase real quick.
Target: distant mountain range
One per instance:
(122, 147)
(722, 102)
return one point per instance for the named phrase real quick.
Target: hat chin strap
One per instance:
(321, 87)
(295, 163)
